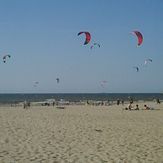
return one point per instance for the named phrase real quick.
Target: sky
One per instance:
(41, 37)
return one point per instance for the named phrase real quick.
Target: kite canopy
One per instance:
(5, 57)
(103, 83)
(139, 36)
(87, 37)
(36, 83)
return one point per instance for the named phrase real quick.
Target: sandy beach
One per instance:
(81, 134)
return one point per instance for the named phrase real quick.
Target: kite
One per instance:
(139, 36)
(36, 83)
(103, 83)
(87, 37)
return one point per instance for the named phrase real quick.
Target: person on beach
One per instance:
(25, 104)
(146, 107)
(108, 102)
(53, 103)
(137, 107)
(102, 103)
(28, 104)
(122, 101)
(118, 101)
(158, 101)
(129, 107)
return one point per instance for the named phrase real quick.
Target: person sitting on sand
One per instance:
(146, 107)
(129, 107)
(137, 107)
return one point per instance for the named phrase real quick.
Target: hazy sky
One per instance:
(41, 37)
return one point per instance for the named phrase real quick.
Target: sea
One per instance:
(76, 97)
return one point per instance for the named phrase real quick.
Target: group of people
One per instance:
(120, 101)
(131, 107)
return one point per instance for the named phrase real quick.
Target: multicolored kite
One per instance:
(87, 38)
(139, 36)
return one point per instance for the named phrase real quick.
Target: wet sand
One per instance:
(81, 134)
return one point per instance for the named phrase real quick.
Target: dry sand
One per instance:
(81, 134)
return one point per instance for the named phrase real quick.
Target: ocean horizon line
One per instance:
(82, 93)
